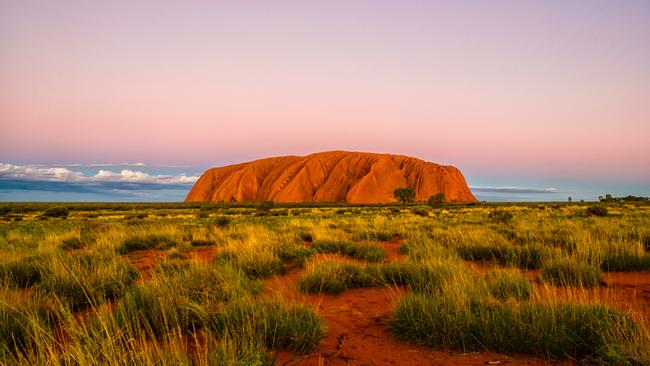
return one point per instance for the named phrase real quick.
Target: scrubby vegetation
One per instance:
(185, 283)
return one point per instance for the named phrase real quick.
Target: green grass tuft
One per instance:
(569, 272)
(505, 284)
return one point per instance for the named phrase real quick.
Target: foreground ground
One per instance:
(208, 284)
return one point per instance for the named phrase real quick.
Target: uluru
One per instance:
(334, 176)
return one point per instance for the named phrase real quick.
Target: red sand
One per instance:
(357, 333)
(356, 319)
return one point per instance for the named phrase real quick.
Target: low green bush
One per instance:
(599, 211)
(222, 221)
(56, 211)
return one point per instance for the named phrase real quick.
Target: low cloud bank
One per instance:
(514, 190)
(61, 174)
(60, 179)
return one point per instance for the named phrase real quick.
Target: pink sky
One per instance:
(554, 88)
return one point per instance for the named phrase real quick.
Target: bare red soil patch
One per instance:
(357, 332)
(392, 248)
(203, 254)
(144, 260)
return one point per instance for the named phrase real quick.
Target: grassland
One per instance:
(184, 283)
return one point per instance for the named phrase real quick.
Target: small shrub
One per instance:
(420, 211)
(500, 216)
(222, 221)
(404, 195)
(57, 211)
(436, 200)
(599, 211)
(569, 272)
(137, 215)
(305, 236)
(151, 241)
(265, 206)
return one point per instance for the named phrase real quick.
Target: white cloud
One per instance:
(39, 173)
(61, 174)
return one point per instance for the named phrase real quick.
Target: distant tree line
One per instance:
(609, 198)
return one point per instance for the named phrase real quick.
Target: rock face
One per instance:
(336, 176)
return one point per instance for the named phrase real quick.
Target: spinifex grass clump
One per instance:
(255, 261)
(364, 251)
(372, 236)
(334, 277)
(521, 256)
(546, 329)
(56, 211)
(620, 258)
(337, 276)
(148, 241)
(181, 297)
(506, 284)
(453, 308)
(569, 272)
(24, 272)
(82, 280)
(22, 319)
(290, 327)
(219, 299)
